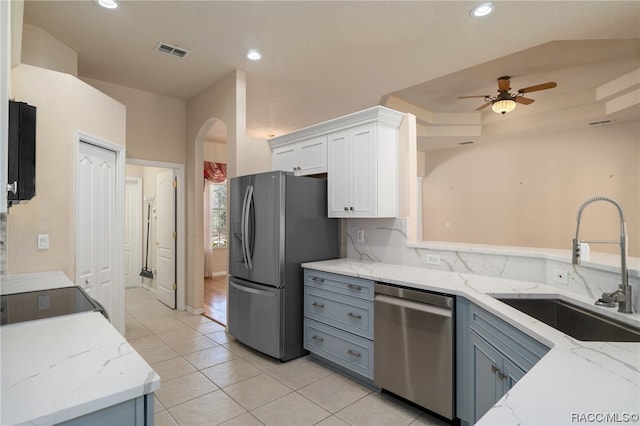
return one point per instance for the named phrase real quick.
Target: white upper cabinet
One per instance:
(306, 157)
(359, 153)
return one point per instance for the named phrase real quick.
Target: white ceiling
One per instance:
(323, 59)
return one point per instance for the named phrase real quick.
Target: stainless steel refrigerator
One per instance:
(277, 221)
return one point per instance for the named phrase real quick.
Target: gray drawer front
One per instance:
(346, 313)
(523, 350)
(351, 352)
(355, 287)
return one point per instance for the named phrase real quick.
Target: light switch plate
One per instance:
(43, 241)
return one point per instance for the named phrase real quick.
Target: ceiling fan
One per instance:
(506, 101)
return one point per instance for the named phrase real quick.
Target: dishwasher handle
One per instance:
(416, 306)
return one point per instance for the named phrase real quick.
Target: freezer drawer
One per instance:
(254, 316)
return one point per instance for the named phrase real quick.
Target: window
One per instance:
(218, 193)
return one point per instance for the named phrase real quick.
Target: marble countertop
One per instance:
(64, 367)
(575, 381)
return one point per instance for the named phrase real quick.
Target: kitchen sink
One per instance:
(575, 321)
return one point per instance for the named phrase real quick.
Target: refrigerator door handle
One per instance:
(245, 231)
(251, 241)
(243, 226)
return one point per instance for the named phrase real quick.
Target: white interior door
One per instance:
(166, 238)
(96, 224)
(133, 232)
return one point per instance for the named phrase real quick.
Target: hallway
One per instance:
(215, 298)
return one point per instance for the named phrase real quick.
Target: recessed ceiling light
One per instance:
(108, 4)
(254, 55)
(482, 10)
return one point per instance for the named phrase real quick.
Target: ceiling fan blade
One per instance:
(523, 100)
(543, 86)
(483, 106)
(476, 96)
(504, 83)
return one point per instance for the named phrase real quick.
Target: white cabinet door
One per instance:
(284, 158)
(338, 178)
(312, 156)
(352, 172)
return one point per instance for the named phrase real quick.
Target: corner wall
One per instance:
(64, 105)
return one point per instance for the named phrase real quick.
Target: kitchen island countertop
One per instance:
(575, 382)
(60, 368)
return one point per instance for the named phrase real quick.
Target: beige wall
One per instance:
(527, 191)
(40, 49)
(156, 125)
(64, 105)
(223, 101)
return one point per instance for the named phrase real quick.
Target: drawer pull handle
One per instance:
(501, 375)
(494, 369)
(318, 339)
(354, 353)
(354, 287)
(317, 280)
(318, 305)
(352, 315)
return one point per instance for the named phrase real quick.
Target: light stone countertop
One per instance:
(64, 367)
(576, 381)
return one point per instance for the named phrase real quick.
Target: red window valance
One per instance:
(215, 172)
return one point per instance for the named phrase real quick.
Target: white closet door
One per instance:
(96, 224)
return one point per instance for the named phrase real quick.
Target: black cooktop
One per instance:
(32, 305)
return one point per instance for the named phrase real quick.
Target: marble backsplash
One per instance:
(385, 240)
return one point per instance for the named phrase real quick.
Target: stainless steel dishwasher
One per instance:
(413, 346)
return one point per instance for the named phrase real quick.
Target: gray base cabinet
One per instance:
(135, 412)
(338, 322)
(491, 357)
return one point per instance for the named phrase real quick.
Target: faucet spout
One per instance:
(623, 295)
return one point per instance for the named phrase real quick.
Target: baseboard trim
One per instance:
(193, 311)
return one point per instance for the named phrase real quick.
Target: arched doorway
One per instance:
(214, 154)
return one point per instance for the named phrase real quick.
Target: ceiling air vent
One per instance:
(171, 50)
(600, 123)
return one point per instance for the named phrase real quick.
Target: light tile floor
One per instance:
(210, 379)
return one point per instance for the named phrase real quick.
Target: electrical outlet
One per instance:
(431, 259)
(561, 276)
(360, 236)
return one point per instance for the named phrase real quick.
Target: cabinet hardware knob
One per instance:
(351, 208)
(318, 305)
(494, 369)
(354, 353)
(354, 287)
(501, 375)
(346, 209)
(317, 279)
(87, 281)
(318, 339)
(352, 315)
(13, 187)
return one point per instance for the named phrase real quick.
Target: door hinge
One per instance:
(175, 183)
(175, 235)
(175, 286)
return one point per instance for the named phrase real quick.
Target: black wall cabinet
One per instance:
(21, 177)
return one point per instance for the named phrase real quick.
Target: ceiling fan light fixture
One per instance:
(483, 9)
(503, 106)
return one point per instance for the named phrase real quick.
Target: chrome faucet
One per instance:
(623, 295)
